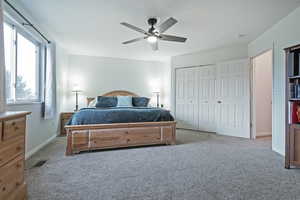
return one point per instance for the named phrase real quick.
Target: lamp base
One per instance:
(76, 108)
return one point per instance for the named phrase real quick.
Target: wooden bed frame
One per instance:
(116, 135)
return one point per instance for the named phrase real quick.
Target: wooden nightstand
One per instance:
(64, 118)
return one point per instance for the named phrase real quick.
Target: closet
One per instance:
(214, 98)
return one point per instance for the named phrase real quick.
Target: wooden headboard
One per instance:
(113, 94)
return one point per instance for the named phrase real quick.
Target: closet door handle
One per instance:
(219, 101)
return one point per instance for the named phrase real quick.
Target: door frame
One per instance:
(252, 93)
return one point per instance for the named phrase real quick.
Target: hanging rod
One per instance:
(28, 23)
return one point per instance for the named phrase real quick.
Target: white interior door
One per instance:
(180, 97)
(207, 98)
(233, 98)
(186, 98)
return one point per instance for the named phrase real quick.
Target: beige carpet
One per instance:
(202, 166)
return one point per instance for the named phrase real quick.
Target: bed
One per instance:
(96, 129)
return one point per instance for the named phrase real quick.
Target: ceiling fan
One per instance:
(155, 33)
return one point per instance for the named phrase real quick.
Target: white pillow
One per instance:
(124, 101)
(93, 103)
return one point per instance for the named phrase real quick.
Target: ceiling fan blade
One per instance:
(172, 38)
(134, 28)
(166, 24)
(154, 46)
(134, 40)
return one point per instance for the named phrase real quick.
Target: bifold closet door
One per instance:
(214, 98)
(207, 108)
(233, 98)
(186, 98)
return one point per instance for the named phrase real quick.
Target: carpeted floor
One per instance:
(202, 166)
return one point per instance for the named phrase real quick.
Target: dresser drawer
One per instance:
(14, 128)
(11, 149)
(19, 194)
(11, 177)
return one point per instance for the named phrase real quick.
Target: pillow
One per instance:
(92, 104)
(140, 101)
(104, 102)
(124, 101)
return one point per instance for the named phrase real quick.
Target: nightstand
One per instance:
(64, 118)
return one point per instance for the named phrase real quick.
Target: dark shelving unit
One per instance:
(292, 158)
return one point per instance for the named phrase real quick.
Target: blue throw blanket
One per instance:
(119, 115)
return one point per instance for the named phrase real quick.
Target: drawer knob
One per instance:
(14, 123)
(18, 184)
(18, 165)
(3, 189)
(128, 140)
(18, 148)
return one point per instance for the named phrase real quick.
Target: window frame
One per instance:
(18, 29)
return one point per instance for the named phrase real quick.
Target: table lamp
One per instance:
(76, 90)
(157, 98)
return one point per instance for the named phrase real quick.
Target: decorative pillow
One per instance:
(93, 103)
(124, 101)
(140, 101)
(104, 102)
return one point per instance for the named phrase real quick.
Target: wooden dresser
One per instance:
(64, 118)
(12, 155)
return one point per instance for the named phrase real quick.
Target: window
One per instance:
(22, 61)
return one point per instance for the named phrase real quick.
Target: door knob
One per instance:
(219, 101)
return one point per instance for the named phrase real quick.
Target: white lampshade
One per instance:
(76, 88)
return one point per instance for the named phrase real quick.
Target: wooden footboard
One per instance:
(104, 136)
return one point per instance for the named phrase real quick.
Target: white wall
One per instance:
(210, 56)
(39, 131)
(206, 57)
(262, 79)
(283, 34)
(98, 75)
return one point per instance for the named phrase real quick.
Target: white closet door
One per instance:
(207, 98)
(233, 96)
(186, 98)
(180, 97)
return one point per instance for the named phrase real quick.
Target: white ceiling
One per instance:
(93, 27)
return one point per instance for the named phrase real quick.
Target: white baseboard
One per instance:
(262, 134)
(39, 147)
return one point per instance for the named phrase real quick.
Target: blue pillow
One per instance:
(124, 101)
(140, 101)
(104, 102)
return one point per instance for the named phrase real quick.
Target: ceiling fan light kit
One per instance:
(155, 33)
(152, 39)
